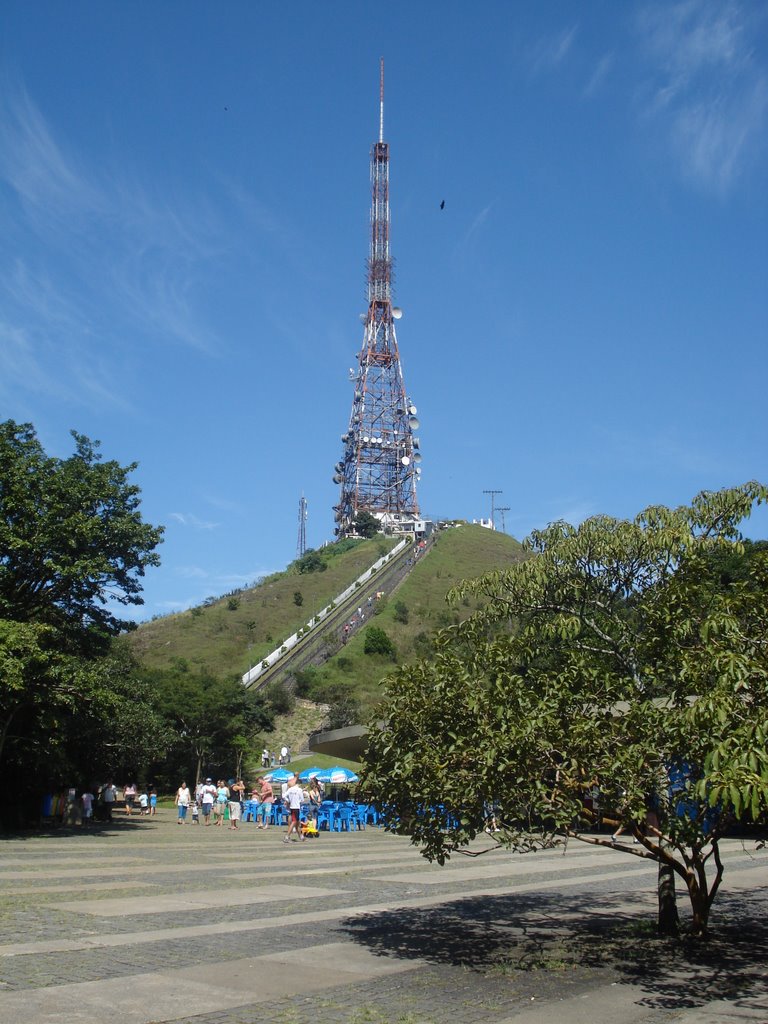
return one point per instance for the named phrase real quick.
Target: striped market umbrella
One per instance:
(279, 775)
(337, 776)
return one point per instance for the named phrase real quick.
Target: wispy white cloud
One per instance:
(191, 572)
(479, 219)
(188, 519)
(569, 509)
(708, 91)
(102, 258)
(20, 365)
(224, 504)
(598, 76)
(550, 52)
(48, 180)
(663, 452)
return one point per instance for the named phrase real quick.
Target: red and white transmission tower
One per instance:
(380, 464)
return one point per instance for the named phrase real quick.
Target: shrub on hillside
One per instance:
(343, 713)
(304, 679)
(279, 699)
(377, 641)
(401, 612)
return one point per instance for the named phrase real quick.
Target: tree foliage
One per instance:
(73, 548)
(212, 723)
(366, 524)
(615, 656)
(72, 541)
(378, 641)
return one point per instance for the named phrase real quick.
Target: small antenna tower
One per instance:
(493, 511)
(503, 509)
(301, 544)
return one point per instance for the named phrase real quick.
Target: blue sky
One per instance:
(184, 201)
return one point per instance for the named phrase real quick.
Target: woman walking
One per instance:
(182, 800)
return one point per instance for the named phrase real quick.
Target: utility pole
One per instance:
(503, 509)
(493, 494)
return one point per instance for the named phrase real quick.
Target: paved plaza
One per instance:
(146, 921)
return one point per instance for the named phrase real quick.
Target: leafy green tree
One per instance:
(311, 561)
(366, 524)
(213, 722)
(72, 541)
(613, 656)
(378, 641)
(298, 598)
(73, 548)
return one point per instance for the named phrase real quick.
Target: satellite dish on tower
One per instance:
(396, 313)
(414, 423)
(405, 460)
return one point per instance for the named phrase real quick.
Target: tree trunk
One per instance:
(669, 922)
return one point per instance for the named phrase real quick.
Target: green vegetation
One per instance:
(366, 525)
(459, 553)
(71, 537)
(377, 641)
(228, 641)
(631, 656)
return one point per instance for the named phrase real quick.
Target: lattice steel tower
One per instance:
(380, 464)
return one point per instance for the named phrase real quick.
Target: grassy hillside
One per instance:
(228, 635)
(459, 554)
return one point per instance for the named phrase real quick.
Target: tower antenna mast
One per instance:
(503, 509)
(301, 543)
(381, 100)
(381, 460)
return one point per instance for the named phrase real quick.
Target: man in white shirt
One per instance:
(293, 796)
(207, 796)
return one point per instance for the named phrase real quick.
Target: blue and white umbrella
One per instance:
(337, 776)
(278, 775)
(309, 773)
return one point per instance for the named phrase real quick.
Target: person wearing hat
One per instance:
(207, 795)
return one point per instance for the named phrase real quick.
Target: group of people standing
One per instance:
(99, 801)
(209, 802)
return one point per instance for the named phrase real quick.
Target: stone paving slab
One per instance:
(214, 900)
(385, 939)
(157, 996)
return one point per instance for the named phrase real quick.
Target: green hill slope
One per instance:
(228, 635)
(411, 615)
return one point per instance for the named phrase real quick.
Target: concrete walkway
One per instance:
(148, 922)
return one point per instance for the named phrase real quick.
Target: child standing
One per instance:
(87, 801)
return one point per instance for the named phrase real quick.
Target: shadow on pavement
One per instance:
(99, 829)
(603, 935)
